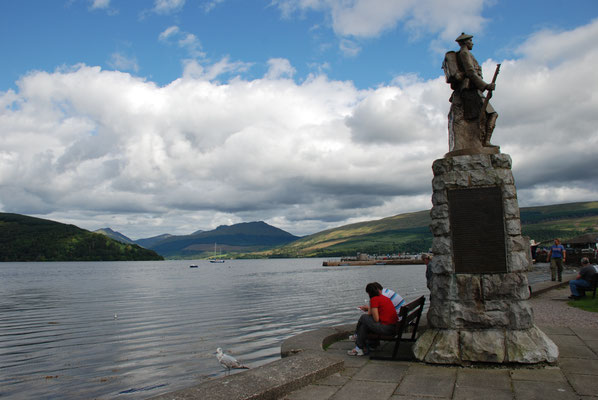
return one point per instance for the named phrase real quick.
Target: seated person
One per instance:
(381, 318)
(583, 281)
(396, 298)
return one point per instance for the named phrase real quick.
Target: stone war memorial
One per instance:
(479, 310)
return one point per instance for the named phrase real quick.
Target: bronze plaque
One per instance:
(477, 230)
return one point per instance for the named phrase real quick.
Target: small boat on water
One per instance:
(216, 259)
(193, 266)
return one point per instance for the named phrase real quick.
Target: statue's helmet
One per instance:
(463, 36)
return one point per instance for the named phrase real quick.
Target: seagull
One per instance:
(228, 362)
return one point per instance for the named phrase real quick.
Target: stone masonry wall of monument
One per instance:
(477, 300)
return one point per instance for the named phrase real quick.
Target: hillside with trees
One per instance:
(24, 238)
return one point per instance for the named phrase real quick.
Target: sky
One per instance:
(172, 116)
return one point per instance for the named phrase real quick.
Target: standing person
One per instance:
(583, 281)
(380, 318)
(557, 256)
(426, 259)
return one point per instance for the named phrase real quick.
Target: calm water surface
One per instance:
(133, 330)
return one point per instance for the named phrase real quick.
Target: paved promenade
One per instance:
(308, 372)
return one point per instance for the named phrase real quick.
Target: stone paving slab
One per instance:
(403, 397)
(313, 392)
(480, 392)
(379, 371)
(357, 390)
(574, 366)
(484, 378)
(581, 351)
(336, 379)
(585, 384)
(543, 390)
(423, 382)
(586, 333)
(545, 374)
(593, 345)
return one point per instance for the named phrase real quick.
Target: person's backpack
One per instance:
(452, 72)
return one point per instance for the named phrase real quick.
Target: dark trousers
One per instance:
(579, 286)
(365, 325)
(556, 267)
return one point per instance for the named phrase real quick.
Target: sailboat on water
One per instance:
(216, 259)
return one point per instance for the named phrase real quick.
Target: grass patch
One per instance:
(587, 303)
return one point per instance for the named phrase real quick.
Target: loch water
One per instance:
(133, 330)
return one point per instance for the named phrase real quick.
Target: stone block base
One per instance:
(463, 347)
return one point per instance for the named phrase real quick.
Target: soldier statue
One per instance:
(471, 118)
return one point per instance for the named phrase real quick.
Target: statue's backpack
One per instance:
(452, 70)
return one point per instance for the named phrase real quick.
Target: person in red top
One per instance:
(381, 318)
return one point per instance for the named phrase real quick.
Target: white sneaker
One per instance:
(353, 337)
(355, 352)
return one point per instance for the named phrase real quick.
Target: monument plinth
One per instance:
(478, 277)
(479, 309)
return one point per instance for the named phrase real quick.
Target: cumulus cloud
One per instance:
(96, 147)
(101, 4)
(168, 6)
(185, 40)
(279, 68)
(358, 18)
(123, 62)
(349, 47)
(210, 5)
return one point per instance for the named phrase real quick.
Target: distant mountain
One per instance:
(24, 238)
(114, 235)
(234, 239)
(152, 241)
(410, 232)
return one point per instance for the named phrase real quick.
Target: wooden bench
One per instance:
(593, 285)
(409, 316)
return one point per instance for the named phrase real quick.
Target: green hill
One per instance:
(245, 237)
(24, 238)
(564, 221)
(410, 233)
(112, 234)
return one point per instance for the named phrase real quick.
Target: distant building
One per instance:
(581, 246)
